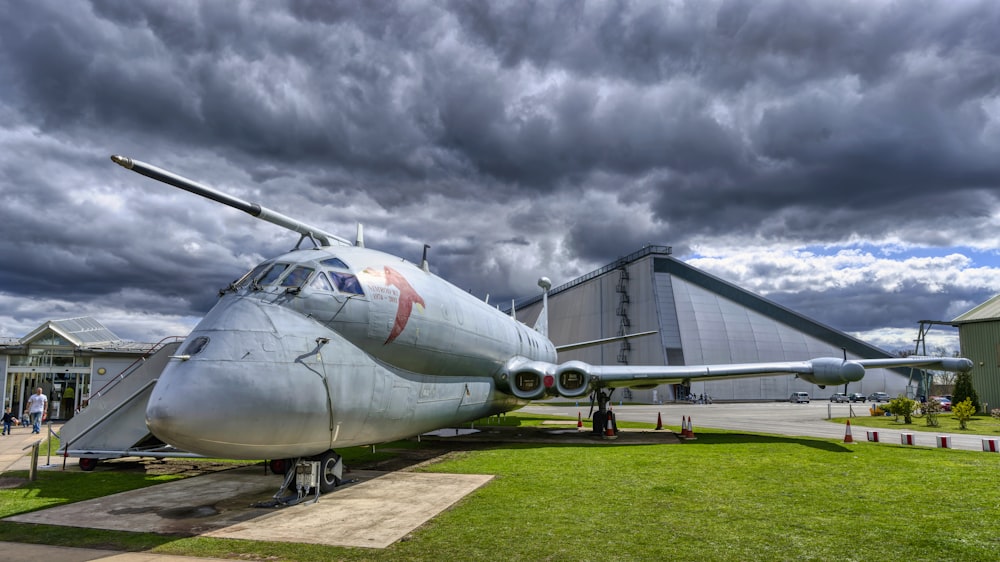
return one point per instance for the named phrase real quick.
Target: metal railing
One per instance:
(134, 366)
(645, 251)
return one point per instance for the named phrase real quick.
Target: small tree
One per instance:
(964, 389)
(931, 410)
(963, 412)
(903, 406)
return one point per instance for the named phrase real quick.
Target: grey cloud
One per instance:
(801, 122)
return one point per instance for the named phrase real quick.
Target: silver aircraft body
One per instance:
(336, 345)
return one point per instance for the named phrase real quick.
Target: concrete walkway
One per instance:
(14, 448)
(15, 452)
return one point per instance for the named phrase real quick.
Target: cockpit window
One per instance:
(195, 346)
(334, 262)
(250, 276)
(297, 277)
(346, 283)
(321, 283)
(272, 274)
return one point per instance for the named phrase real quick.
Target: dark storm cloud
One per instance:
(518, 139)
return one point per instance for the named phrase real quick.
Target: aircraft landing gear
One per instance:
(306, 477)
(600, 418)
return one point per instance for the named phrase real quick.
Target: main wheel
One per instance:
(327, 477)
(87, 464)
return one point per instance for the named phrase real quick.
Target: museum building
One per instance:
(67, 359)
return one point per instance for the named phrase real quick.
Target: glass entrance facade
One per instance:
(53, 364)
(63, 358)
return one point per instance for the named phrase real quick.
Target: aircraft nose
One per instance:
(240, 388)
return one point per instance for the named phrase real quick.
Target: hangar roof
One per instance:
(989, 310)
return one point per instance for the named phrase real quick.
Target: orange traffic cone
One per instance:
(609, 431)
(847, 436)
(579, 421)
(690, 429)
(684, 427)
(659, 422)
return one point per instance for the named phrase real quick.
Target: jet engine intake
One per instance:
(830, 371)
(573, 379)
(530, 381)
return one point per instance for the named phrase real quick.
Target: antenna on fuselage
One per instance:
(423, 261)
(359, 240)
(253, 209)
(542, 324)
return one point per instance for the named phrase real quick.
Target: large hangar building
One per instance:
(699, 319)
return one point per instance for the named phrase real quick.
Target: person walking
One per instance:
(36, 407)
(8, 421)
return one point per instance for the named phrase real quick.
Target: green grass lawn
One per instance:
(726, 496)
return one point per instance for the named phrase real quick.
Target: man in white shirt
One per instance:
(36, 407)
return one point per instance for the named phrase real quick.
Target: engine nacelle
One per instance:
(832, 371)
(530, 381)
(573, 379)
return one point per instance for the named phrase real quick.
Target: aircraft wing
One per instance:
(535, 379)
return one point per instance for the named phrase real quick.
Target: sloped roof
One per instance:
(82, 332)
(989, 310)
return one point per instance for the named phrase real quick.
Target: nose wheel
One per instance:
(305, 478)
(331, 471)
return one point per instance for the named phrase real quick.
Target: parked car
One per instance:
(838, 397)
(799, 397)
(857, 397)
(878, 397)
(944, 401)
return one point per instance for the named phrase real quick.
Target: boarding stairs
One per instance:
(114, 422)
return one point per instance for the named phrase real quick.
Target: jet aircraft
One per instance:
(334, 345)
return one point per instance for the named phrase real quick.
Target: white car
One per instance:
(799, 398)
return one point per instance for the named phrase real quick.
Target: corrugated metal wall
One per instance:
(696, 326)
(980, 341)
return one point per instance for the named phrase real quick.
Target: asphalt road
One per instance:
(781, 418)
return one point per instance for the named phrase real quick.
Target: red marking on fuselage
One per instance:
(407, 297)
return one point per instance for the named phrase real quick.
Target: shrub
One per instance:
(902, 406)
(964, 390)
(963, 412)
(931, 410)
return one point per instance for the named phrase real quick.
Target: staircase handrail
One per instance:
(135, 365)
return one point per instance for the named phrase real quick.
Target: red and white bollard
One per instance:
(990, 446)
(873, 436)
(906, 438)
(944, 441)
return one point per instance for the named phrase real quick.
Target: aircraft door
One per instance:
(351, 379)
(315, 363)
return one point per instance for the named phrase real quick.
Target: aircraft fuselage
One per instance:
(334, 347)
